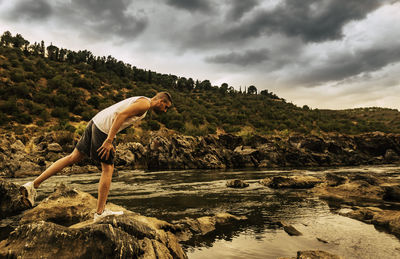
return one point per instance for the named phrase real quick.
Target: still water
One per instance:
(172, 195)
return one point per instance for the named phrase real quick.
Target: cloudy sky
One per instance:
(332, 54)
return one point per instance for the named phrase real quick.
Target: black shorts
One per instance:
(91, 140)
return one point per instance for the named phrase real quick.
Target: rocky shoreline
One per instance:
(18, 159)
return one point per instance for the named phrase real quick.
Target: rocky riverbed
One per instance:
(31, 156)
(62, 226)
(370, 196)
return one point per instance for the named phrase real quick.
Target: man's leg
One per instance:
(57, 166)
(104, 186)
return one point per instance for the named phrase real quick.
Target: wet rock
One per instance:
(317, 254)
(204, 225)
(387, 219)
(11, 200)
(365, 192)
(236, 183)
(297, 182)
(335, 179)
(392, 193)
(322, 240)
(292, 231)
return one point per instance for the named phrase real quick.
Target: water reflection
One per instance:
(173, 195)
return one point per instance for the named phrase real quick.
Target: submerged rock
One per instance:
(292, 231)
(317, 254)
(365, 192)
(204, 225)
(297, 182)
(236, 183)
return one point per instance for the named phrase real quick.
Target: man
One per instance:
(97, 143)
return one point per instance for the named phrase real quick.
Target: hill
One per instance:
(50, 88)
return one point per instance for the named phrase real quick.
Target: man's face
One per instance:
(162, 106)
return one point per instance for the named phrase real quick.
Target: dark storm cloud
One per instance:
(249, 57)
(94, 18)
(310, 20)
(107, 17)
(347, 65)
(192, 5)
(31, 10)
(240, 7)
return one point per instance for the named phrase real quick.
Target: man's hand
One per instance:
(105, 149)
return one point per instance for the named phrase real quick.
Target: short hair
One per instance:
(165, 96)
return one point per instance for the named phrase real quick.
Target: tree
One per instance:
(252, 90)
(224, 88)
(6, 39)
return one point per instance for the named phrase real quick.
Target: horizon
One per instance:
(352, 63)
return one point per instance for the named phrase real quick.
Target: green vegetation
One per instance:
(57, 88)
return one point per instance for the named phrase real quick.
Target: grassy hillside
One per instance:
(50, 88)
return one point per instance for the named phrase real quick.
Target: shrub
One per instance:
(60, 112)
(151, 125)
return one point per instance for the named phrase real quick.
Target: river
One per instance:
(172, 195)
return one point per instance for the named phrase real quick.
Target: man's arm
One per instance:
(137, 108)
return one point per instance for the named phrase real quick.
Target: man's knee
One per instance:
(75, 156)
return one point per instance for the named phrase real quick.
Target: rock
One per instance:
(54, 147)
(101, 240)
(392, 193)
(27, 168)
(391, 156)
(388, 219)
(17, 146)
(66, 218)
(297, 182)
(292, 231)
(130, 154)
(335, 179)
(317, 254)
(236, 183)
(75, 169)
(204, 225)
(127, 236)
(12, 201)
(65, 206)
(53, 156)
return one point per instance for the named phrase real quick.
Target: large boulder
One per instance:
(66, 218)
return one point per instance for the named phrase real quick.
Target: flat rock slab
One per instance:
(295, 182)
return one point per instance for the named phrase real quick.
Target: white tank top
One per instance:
(105, 118)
